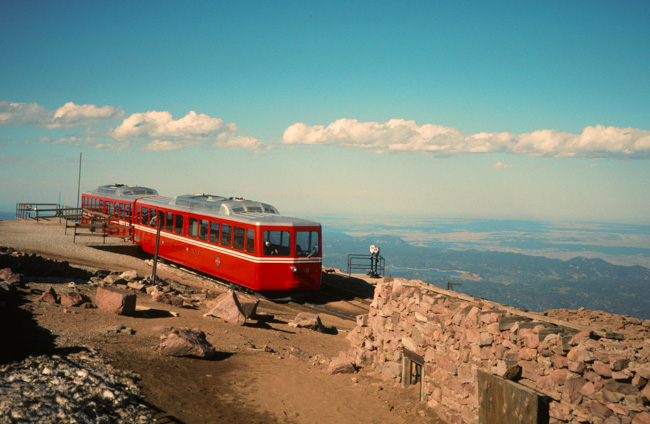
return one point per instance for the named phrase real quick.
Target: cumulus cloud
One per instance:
(73, 115)
(68, 115)
(20, 114)
(167, 133)
(400, 135)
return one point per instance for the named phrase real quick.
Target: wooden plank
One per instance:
(506, 402)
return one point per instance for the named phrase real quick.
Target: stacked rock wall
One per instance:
(585, 376)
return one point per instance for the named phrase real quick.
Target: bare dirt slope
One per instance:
(265, 371)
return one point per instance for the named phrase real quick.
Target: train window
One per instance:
(152, 221)
(203, 229)
(178, 224)
(277, 243)
(214, 232)
(250, 241)
(192, 229)
(127, 212)
(238, 238)
(101, 206)
(226, 231)
(306, 243)
(169, 224)
(145, 216)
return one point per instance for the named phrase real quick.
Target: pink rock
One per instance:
(588, 389)
(160, 297)
(226, 308)
(9, 276)
(581, 337)
(340, 366)
(641, 418)
(391, 370)
(645, 394)
(560, 361)
(49, 296)
(185, 342)
(619, 363)
(527, 354)
(528, 338)
(485, 339)
(572, 388)
(465, 374)
(576, 366)
(308, 320)
(579, 353)
(233, 307)
(529, 370)
(559, 376)
(73, 299)
(602, 369)
(121, 302)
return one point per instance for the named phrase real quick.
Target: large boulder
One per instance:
(233, 307)
(119, 301)
(185, 342)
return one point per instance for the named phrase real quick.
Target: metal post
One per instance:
(155, 255)
(78, 182)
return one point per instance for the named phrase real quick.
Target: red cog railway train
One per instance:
(242, 241)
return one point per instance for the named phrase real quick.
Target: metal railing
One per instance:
(372, 265)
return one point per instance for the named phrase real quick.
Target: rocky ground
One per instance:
(76, 364)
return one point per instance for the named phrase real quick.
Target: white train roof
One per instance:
(123, 190)
(233, 208)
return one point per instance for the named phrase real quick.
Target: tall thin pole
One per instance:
(155, 255)
(79, 181)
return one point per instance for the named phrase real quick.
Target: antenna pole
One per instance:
(79, 181)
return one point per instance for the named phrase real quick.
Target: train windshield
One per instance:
(307, 243)
(277, 243)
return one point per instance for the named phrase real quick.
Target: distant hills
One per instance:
(532, 283)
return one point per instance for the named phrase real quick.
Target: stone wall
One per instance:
(585, 375)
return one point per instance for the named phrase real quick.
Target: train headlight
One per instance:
(294, 269)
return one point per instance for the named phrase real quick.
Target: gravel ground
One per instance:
(77, 387)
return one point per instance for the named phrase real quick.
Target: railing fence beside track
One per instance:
(46, 211)
(372, 265)
(97, 224)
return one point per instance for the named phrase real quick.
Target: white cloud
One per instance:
(73, 115)
(189, 130)
(19, 114)
(500, 165)
(68, 115)
(162, 146)
(399, 135)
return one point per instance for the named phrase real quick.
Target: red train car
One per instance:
(242, 241)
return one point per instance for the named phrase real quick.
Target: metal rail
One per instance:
(372, 265)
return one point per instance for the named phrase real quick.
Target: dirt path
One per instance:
(266, 371)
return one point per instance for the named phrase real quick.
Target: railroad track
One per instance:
(331, 299)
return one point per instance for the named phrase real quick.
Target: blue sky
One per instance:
(532, 110)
